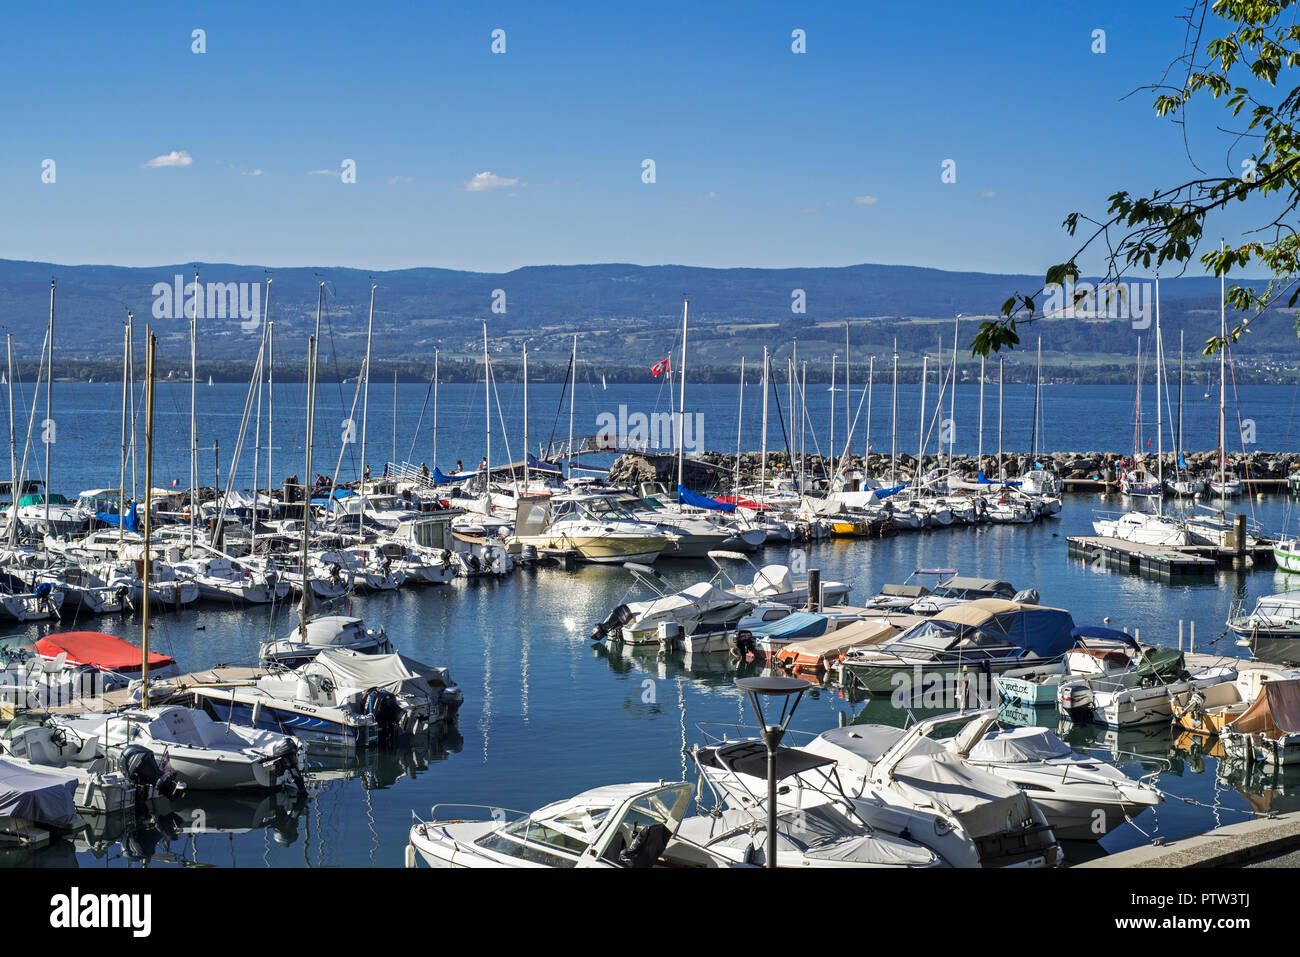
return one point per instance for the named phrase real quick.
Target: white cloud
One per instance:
(866, 200)
(253, 172)
(393, 180)
(322, 172)
(987, 194)
(710, 195)
(485, 181)
(174, 158)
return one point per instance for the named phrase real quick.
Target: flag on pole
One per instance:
(175, 482)
(659, 368)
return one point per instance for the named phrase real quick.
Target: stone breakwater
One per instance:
(1101, 466)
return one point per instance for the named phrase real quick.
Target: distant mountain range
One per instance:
(625, 315)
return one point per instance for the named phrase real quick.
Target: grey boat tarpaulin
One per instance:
(45, 798)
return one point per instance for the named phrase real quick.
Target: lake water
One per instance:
(546, 714)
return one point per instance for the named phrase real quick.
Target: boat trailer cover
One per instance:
(47, 799)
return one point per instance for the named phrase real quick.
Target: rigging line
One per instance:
(1245, 461)
(505, 435)
(789, 458)
(420, 422)
(550, 443)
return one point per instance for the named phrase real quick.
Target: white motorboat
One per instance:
(1082, 798)
(207, 755)
(1140, 696)
(960, 589)
(619, 826)
(220, 579)
(1141, 527)
(704, 606)
(1272, 629)
(328, 632)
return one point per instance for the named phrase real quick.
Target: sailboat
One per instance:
(209, 380)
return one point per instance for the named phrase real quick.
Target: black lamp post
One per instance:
(789, 691)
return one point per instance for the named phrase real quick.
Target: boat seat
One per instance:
(52, 666)
(645, 847)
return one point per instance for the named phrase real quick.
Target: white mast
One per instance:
(920, 439)
(831, 449)
(194, 427)
(762, 465)
(1223, 349)
(573, 389)
(435, 407)
(740, 421)
(13, 447)
(893, 425)
(979, 455)
(952, 399)
(1160, 420)
(49, 387)
(525, 418)
(1002, 472)
(487, 414)
(365, 406)
(681, 414)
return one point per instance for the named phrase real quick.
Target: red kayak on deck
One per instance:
(103, 653)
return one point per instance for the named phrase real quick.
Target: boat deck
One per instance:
(113, 700)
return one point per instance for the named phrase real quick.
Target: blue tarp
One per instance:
(535, 463)
(686, 497)
(886, 492)
(796, 625)
(1048, 632)
(339, 493)
(130, 523)
(440, 479)
(987, 481)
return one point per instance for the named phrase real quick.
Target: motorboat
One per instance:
(972, 641)
(817, 656)
(34, 803)
(776, 583)
(1144, 528)
(596, 527)
(616, 826)
(118, 661)
(166, 589)
(900, 597)
(417, 566)
(206, 754)
(1101, 653)
(1207, 711)
(1272, 629)
(128, 781)
(220, 579)
(1082, 798)
(341, 699)
(822, 827)
(1141, 696)
(903, 769)
(325, 633)
(704, 606)
(958, 589)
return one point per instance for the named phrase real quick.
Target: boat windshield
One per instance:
(606, 510)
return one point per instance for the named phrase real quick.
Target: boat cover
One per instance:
(130, 523)
(105, 652)
(1017, 745)
(1041, 630)
(773, 580)
(870, 631)
(395, 673)
(535, 463)
(1274, 712)
(797, 624)
(686, 497)
(47, 799)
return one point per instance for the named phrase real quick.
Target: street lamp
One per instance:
(789, 691)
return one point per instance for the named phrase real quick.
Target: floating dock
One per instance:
(1161, 561)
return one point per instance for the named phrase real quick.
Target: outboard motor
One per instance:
(528, 554)
(612, 627)
(138, 765)
(286, 754)
(386, 710)
(1027, 596)
(1076, 702)
(744, 645)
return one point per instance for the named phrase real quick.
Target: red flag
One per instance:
(1148, 443)
(659, 368)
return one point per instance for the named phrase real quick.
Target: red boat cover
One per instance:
(105, 652)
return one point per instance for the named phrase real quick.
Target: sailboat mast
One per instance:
(365, 407)
(1223, 350)
(1002, 472)
(573, 390)
(1160, 419)
(871, 380)
(952, 399)
(126, 362)
(893, 425)
(49, 422)
(525, 418)
(979, 454)
(681, 412)
(13, 446)
(150, 357)
(435, 408)
(847, 395)
(305, 604)
(270, 400)
(762, 465)
(487, 418)
(740, 421)
(194, 429)
(834, 359)
(920, 438)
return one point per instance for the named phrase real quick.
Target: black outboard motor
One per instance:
(286, 759)
(744, 645)
(138, 765)
(612, 627)
(384, 706)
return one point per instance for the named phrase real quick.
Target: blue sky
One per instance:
(763, 157)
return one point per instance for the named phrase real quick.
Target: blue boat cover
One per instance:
(535, 463)
(1106, 634)
(1048, 632)
(987, 481)
(440, 479)
(686, 497)
(886, 492)
(797, 624)
(130, 523)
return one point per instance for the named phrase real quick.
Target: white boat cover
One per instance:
(773, 580)
(44, 798)
(395, 673)
(1017, 745)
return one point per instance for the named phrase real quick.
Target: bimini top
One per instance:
(101, 651)
(750, 757)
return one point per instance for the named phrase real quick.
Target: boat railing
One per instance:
(484, 812)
